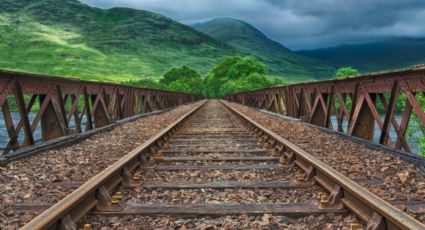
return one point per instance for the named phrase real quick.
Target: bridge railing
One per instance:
(58, 107)
(379, 107)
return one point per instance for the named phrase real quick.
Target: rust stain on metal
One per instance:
(63, 100)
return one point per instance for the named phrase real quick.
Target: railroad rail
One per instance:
(59, 107)
(216, 136)
(360, 101)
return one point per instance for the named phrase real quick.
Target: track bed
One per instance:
(215, 169)
(201, 187)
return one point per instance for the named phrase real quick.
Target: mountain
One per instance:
(376, 56)
(247, 39)
(66, 37)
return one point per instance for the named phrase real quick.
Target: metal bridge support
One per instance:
(362, 123)
(50, 123)
(99, 104)
(353, 100)
(319, 113)
(99, 111)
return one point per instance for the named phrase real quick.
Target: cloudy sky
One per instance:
(300, 24)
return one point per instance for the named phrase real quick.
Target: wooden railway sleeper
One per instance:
(272, 142)
(153, 149)
(143, 158)
(290, 156)
(67, 223)
(96, 194)
(126, 174)
(264, 138)
(160, 142)
(279, 149)
(258, 133)
(106, 202)
(351, 196)
(274, 150)
(376, 222)
(305, 178)
(333, 200)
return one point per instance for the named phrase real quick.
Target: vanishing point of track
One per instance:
(216, 137)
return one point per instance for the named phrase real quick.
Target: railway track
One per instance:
(216, 162)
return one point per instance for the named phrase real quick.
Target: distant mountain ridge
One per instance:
(247, 39)
(66, 37)
(375, 56)
(69, 38)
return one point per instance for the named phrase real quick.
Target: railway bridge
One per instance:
(335, 154)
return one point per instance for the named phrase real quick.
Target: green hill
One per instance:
(66, 37)
(247, 39)
(377, 56)
(69, 38)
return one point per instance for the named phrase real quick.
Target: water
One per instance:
(4, 137)
(413, 141)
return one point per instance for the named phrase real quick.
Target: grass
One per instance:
(72, 39)
(280, 60)
(68, 38)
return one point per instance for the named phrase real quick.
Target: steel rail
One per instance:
(70, 139)
(63, 107)
(375, 211)
(66, 213)
(352, 105)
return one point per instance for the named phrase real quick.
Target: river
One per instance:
(4, 138)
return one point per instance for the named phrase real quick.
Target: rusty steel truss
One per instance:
(62, 100)
(361, 101)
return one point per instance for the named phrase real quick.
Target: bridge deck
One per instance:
(59, 171)
(192, 159)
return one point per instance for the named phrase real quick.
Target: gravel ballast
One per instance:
(266, 221)
(399, 180)
(31, 180)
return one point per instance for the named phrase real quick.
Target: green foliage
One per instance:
(415, 126)
(346, 72)
(247, 39)
(68, 38)
(144, 83)
(236, 74)
(246, 83)
(231, 75)
(183, 79)
(421, 141)
(176, 74)
(373, 57)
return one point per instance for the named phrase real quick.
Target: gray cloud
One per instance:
(299, 24)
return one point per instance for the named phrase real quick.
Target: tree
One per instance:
(246, 83)
(183, 79)
(144, 83)
(415, 129)
(232, 69)
(346, 72)
(178, 73)
(231, 75)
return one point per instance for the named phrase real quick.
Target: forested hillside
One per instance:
(248, 40)
(66, 37)
(377, 56)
